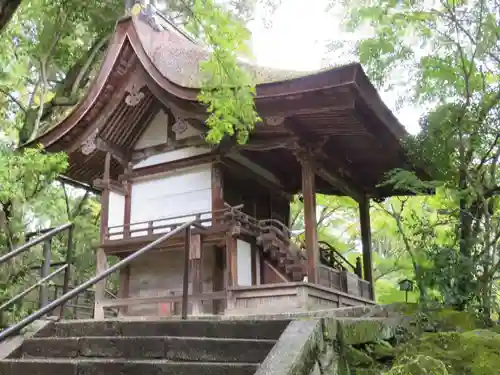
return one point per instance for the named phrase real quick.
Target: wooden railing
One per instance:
(166, 224)
(233, 216)
(343, 281)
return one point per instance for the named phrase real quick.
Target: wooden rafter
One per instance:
(116, 152)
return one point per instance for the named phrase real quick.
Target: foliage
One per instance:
(472, 352)
(228, 89)
(444, 56)
(51, 51)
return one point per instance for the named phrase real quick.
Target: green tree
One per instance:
(446, 56)
(51, 51)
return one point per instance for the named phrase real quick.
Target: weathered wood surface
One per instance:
(288, 298)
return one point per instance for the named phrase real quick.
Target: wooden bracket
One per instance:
(115, 151)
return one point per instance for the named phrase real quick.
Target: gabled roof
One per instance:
(338, 108)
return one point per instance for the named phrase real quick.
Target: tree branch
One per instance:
(11, 97)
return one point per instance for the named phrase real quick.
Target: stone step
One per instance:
(238, 329)
(152, 347)
(120, 367)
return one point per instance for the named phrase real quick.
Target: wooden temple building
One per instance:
(138, 136)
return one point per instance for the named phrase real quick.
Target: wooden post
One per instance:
(311, 230)
(231, 260)
(366, 240)
(218, 277)
(195, 260)
(105, 197)
(100, 287)
(185, 279)
(254, 263)
(217, 191)
(127, 210)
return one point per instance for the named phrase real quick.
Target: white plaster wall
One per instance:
(155, 133)
(116, 214)
(244, 263)
(169, 156)
(189, 132)
(161, 274)
(183, 193)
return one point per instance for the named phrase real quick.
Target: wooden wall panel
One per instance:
(160, 274)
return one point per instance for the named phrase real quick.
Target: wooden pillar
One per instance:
(217, 191)
(231, 261)
(101, 258)
(100, 287)
(128, 204)
(218, 277)
(105, 197)
(311, 230)
(195, 265)
(254, 263)
(366, 240)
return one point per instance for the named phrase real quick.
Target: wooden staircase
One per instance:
(285, 255)
(291, 260)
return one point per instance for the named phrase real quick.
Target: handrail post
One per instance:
(185, 281)
(47, 252)
(67, 272)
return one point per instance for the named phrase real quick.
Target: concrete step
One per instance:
(120, 367)
(152, 347)
(239, 329)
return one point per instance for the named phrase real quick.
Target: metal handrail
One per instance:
(36, 241)
(16, 328)
(33, 287)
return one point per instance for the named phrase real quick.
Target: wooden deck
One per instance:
(288, 298)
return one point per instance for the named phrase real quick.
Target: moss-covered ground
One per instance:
(431, 342)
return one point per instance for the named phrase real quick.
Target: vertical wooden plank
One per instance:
(366, 241)
(195, 260)
(100, 287)
(311, 234)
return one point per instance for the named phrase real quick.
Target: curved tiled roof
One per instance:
(178, 58)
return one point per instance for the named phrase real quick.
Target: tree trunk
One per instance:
(7, 10)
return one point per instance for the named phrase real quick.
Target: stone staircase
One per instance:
(145, 348)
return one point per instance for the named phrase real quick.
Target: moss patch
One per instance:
(419, 365)
(468, 353)
(446, 320)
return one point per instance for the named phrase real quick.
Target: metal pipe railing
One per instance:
(34, 242)
(16, 328)
(33, 287)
